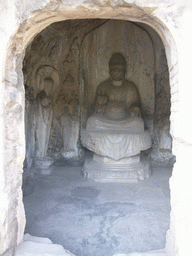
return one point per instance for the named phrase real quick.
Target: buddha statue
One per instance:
(115, 132)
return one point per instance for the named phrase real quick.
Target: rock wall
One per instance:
(161, 153)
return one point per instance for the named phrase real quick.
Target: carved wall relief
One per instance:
(68, 60)
(51, 66)
(161, 153)
(65, 127)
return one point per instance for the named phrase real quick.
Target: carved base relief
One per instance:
(105, 169)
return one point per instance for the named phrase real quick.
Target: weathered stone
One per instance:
(21, 21)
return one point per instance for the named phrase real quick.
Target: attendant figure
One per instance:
(44, 115)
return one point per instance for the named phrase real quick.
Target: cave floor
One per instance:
(98, 219)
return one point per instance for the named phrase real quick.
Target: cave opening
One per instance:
(62, 68)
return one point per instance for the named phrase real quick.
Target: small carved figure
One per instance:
(44, 115)
(70, 131)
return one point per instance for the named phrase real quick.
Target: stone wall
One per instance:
(20, 22)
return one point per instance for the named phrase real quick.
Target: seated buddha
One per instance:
(115, 133)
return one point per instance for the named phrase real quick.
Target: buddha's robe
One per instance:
(122, 98)
(120, 102)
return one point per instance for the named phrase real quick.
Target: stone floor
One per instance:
(95, 219)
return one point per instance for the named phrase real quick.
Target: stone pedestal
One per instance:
(44, 165)
(105, 169)
(116, 146)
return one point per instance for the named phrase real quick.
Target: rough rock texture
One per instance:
(21, 21)
(161, 153)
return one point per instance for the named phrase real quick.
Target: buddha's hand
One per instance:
(135, 111)
(102, 100)
(101, 103)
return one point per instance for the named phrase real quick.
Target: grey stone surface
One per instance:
(116, 171)
(39, 246)
(90, 218)
(152, 253)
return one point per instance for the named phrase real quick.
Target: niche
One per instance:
(63, 67)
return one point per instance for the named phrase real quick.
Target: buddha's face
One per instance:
(117, 72)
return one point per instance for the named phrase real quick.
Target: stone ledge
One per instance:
(39, 246)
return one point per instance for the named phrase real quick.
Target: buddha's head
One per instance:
(117, 67)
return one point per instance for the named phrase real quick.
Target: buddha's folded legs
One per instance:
(101, 123)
